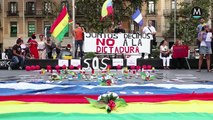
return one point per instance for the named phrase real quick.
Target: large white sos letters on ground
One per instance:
(102, 61)
(88, 65)
(95, 63)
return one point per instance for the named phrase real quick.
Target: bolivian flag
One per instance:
(75, 107)
(61, 25)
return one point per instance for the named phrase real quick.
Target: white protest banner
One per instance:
(75, 62)
(116, 62)
(117, 43)
(63, 62)
(131, 61)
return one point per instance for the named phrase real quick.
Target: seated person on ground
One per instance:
(17, 58)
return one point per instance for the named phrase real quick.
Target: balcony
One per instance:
(151, 13)
(12, 13)
(37, 13)
(30, 12)
(169, 12)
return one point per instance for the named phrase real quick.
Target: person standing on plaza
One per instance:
(205, 47)
(199, 29)
(33, 45)
(165, 54)
(150, 29)
(41, 47)
(178, 62)
(78, 33)
(119, 28)
(49, 45)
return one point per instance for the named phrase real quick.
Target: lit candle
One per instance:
(93, 71)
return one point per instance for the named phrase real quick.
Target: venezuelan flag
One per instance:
(107, 8)
(61, 25)
(22, 101)
(148, 107)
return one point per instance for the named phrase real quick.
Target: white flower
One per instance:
(99, 97)
(113, 94)
(104, 95)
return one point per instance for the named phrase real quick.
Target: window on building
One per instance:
(47, 28)
(154, 23)
(13, 7)
(173, 4)
(31, 28)
(30, 7)
(47, 7)
(13, 29)
(151, 7)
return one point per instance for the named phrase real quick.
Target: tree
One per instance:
(90, 11)
(186, 25)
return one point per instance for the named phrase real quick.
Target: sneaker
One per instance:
(9, 68)
(9, 65)
(20, 68)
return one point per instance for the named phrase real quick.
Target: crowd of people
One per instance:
(43, 49)
(33, 49)
(204, 43)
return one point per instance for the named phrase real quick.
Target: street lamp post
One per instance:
(73, 27)
(175, 17)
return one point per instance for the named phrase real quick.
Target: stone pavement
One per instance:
(163, 76)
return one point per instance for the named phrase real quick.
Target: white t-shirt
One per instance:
(41, 45)
(148, 29)
(208, 37)
(164, 48)
(203, 43)
(23, 46)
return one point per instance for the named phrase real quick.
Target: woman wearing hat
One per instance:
(41, 47)
(33, 45)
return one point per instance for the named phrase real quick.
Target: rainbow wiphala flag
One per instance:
(34, 101)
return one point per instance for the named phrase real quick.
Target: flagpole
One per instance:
(73, 28)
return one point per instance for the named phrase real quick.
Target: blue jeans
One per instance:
(17, 61)
(80, 44)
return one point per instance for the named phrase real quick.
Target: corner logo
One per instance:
(196, 12)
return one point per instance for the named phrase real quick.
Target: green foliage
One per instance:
(186, 25)
(90, 55)
(90, 10)
(156, 53)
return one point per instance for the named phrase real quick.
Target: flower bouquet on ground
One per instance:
(55, 76)
(109, 101)
(106, 80)
(147, 76)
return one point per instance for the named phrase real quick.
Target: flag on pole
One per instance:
(107, 9)
(61, 25)
(137, 17)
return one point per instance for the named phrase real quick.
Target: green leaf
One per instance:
(96, 104)
(152, 77)
(143, 75)
(120, 102)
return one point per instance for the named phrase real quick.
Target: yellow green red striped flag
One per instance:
(61, 25)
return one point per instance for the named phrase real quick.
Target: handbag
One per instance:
(164, 55)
